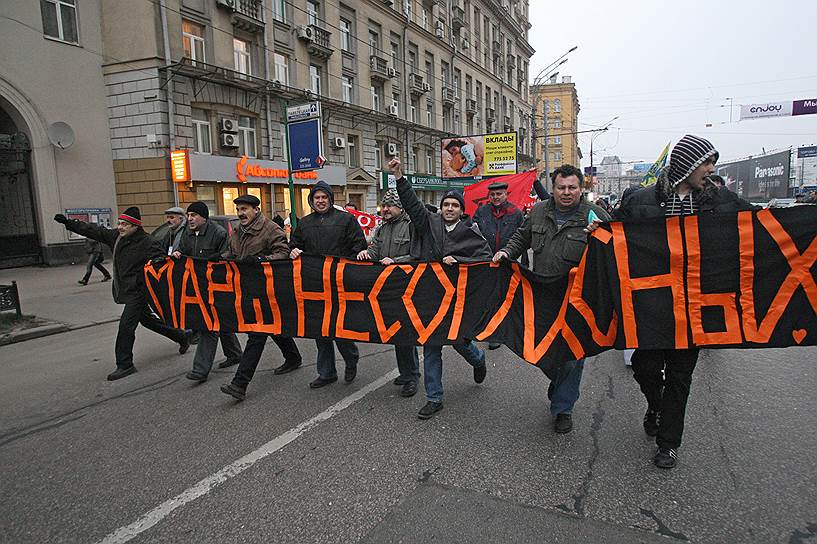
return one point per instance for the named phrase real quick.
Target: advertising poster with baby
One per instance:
(479, 156)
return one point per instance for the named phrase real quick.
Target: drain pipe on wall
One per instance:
(171, 106)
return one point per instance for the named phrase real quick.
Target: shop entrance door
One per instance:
(19, 241)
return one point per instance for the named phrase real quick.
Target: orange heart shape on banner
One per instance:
(798, 335)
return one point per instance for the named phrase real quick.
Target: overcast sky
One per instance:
(665, 68)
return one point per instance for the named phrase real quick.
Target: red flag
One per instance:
(366, 221)
(519, 187)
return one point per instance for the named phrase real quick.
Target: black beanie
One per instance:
(132, 216)
(200, 208)
(455, 195)
(688, 154)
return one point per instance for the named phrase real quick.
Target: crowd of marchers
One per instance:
(555, 232)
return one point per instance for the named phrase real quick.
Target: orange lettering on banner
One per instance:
(459, 305)
(259, 325)
(423, 332)
(167, 269)
(215, 287)
(185, 299)
(385, 333)
(674, 280)
(325, 295)
(343, 297)
(533, 351)
(800, 275)
(504, 308)
(696, 300)
(578, 302)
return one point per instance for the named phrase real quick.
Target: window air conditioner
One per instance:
(391, 150)
(338, 142)
(305, 32)
(229, 140)
(228, 124)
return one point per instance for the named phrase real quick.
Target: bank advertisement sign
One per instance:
(423, 182)
(760, 178)
(479, 156)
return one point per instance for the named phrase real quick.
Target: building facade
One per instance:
(556, 114)
(214, 77)
(55, 151)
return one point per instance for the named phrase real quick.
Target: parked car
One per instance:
(781, 203)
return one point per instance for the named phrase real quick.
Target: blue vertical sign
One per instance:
(305, 136)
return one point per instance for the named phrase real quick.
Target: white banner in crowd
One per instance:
(768, 109)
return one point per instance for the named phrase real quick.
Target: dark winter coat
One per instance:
(168, 237)
(334, 233)
(130, 253)
(431, 240)
(262, 238)
(555, 249)
(392, 239)
(92, 246)
(650, 202)
(209, 242)
(498, 225)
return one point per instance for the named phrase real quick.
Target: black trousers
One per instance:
(666, 393)
(252, 355)
(133, 315)
(95, 260)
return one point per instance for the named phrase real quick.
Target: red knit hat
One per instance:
(132, 216)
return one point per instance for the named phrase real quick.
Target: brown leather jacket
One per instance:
(262, 238)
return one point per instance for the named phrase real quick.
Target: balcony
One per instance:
(449, 96)
(508, 125)
(379, 68)
(511, 62)
(317, 41)
(490, 115)
(457, 17)
(417, 86)
(496, 48)
(520, 75)
(470, 106)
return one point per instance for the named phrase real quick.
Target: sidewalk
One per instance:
(53, 293)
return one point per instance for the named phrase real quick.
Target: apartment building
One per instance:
(556, 107)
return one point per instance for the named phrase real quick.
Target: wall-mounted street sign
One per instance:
(305, 137)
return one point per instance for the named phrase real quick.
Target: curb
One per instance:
(48, 330)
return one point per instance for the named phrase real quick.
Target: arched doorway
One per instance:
(19, 238)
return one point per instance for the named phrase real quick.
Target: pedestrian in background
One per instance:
(95, 258)
(329, 231)
(203, 239)
(169, 233)
(257, 239)
(555, 231)
(450, 237)
(132, 248)
(391, 244)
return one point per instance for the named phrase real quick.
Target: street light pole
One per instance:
(730, 108)
(593, 138)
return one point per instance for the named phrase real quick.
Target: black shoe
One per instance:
(288, 366)
(106, 278)
(349, 375)
(431, 408)
(238, 393)
(121, 373)
(665, 457)
(409, 389)
(652, 420)
(319, 382)
(184, 345)
(494, 345)
(228, 362)
(563, 423)
(83, 282)
(480, 372)
(400, 381)
(196, 376)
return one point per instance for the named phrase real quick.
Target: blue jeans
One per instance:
(326, 356)
(563, 391)
(206, 350)
(408, 363)
(433, 366)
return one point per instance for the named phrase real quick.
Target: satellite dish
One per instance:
(61, 135)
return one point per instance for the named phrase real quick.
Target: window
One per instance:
(424, 19)
(377, 97)
(345, 35)
(353, 151)
(312, 11)
(348, 88)
(557, 140)
(378, 155)
(408, 9)
(278, 10)
(414, 159)
(429, 162)
(395, 55)
(413, 111)
(208, 196)
(246, 136)
(315, 78)
(281, 68)
(193, 38)
(557, 105)
(60, 19)
(430, 114)
(557, 156)
(374, 42)
(228, 194)
(241, 56)
(201, 131)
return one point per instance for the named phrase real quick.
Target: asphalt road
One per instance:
(158, 459)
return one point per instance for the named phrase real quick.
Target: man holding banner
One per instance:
(665, 376)
(556, 231)
(450, 237)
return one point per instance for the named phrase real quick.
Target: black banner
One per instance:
(740, 280)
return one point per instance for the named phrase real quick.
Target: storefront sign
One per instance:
(422, 182)
(180, 165)
(247, 170)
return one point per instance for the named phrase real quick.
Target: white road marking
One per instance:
(151, 518)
